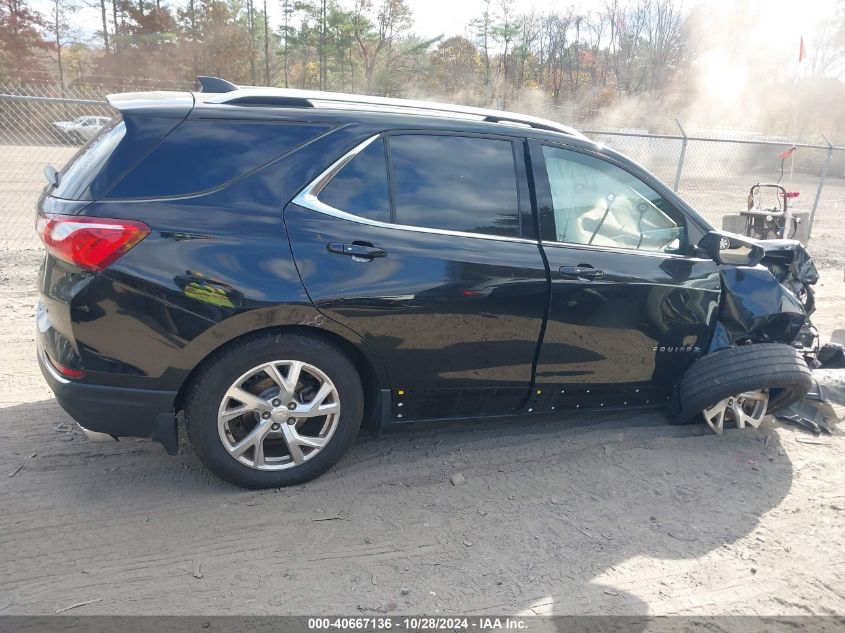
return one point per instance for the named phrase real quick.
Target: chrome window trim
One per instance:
(618, 249)
(308, 198)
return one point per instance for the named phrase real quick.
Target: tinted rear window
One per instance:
(361, 186)
(456, 183)
(84, 167)
(203, 154)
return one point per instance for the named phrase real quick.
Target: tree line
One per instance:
(353, 45)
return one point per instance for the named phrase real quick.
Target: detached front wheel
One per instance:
(740, 385)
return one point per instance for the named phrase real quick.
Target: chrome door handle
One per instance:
(581, 272)
(362, 251)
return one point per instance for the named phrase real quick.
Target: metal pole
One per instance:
(681, 157)
(821, 185)
(5, 97)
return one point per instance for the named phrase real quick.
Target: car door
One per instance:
(424, 245)
(630, 306)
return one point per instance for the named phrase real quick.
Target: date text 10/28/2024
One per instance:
(420, 623)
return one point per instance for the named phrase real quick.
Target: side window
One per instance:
(597, 203)
(360, 187)
(456, 183)
(201, 154)
(80, 171)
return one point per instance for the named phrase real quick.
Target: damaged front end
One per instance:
(791, 264)
(771, 303)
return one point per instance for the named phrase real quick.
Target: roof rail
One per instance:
(270, 100)
(289, 97)
(215, 84)
(535, 123)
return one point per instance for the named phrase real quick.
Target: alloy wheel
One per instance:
(278, 415)
(748, 407)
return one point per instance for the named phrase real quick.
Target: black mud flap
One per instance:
(166, 432)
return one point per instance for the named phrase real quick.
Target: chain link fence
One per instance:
(713, 174)
(36, 131)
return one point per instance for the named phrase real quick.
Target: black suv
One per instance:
(277, 266)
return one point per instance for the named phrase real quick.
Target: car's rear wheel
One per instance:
(274, 411)
(740, 385)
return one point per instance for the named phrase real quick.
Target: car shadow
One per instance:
(607, 490)
(529, 516)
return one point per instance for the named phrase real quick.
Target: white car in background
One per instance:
(80, 130)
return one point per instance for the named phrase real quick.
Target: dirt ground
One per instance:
(619, 515)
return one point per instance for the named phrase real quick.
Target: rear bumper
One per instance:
(104, 411)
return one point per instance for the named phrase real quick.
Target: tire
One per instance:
(209, 401)
(728, 372)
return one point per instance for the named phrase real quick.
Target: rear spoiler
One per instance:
(175, 105)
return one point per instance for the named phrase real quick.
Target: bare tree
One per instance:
(287, 13)
(505, 31)
(664, 40)
(104, 17)
(322, 44)
(482, 29)
(266, 46)
(250, 26)
(393, 18)
(828, 47)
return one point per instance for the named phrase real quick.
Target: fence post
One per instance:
(820, 187)
(681, 157)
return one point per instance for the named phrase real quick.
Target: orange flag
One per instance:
(802, 52)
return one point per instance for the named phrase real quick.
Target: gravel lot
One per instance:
(580, 515)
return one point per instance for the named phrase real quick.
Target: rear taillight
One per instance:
(90, 243)
(67, 372)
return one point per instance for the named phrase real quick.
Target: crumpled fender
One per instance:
(755, 307)
(794, 255)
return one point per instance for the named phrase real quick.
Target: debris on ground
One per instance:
(198, 568)
(78, 604)
(831, 356)
(817, 411)
(18, 469)
(457, 479)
